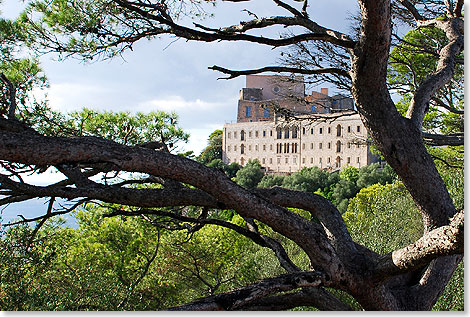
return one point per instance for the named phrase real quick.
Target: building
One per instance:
(334, 139)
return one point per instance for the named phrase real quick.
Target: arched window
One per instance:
(242, 149)
(242, 161)
(242, 135)
(294, 132)
(286, 133)
(338, 146)
(338, 162)
(338, 130)
(279, 133)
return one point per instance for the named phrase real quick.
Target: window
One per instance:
(242, 135)
(235, 134)
(338, 130)
(270, 160)
(349, 160)
(329, 160)
(278, 160)
(242, 149)
(303, 131)
(286, 133)
(329, 130)
(249, 147)
(271, 133)
(264, 133)
(338, 146)
(303, 146)
(228, 148)
(321, 130)
(303, 160)
(270, 147)
(256, 147)
(229, 135)
(294, 160)
(235, 148)
(294, 133)
(266, 113)
(287, 160)
(313, 108)
(320, 145)
(264, 147)
(349, 145)
(294, 147)
(329, 145)
(349, 129)
(256, 134)
(279, 133)
(338, 162)
(358, 128)
(311, 146)
(264, 161)
(249, 134)
(311, 160)
(248, 111)
(311, 131)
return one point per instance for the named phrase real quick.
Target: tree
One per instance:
(411, 277)
(249, 175)
(213, 150)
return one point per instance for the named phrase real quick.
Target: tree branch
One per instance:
(239, 298)
(280, 69)
(412, 9)
(445, 240)
(11, 96)
(259, 239)
(316, 297)
(441, 139)
(444, 72)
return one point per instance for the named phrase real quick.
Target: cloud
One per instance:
(67, 97)
(178, 103)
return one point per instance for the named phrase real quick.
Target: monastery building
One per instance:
(286, 131)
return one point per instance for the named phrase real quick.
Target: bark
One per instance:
(242, 297)
(411, 278)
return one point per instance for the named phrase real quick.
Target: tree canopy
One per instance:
(178, 194)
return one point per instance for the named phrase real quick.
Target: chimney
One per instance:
(324, 91)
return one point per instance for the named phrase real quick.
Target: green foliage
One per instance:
(271, 180)
(249, 175)
(122, 127)
(229, 169)
(124, 263)
(213, 150)
(374, 215)
(411, 62)
(17, 65)
(337, 187)
(373, 174)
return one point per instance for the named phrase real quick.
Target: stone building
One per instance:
(335, 139)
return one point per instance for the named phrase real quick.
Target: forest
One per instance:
(160, 229)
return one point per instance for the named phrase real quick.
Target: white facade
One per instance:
(286, 148)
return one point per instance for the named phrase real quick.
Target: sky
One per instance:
(170, 75)
(164, 74)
